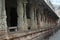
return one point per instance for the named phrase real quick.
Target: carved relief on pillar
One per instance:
(0, 14)
(38, 17)
(3, 24)
(35, 18)
(32, 16)
(25, 17)
(33, 25)
(20, 16)
(42, 18)
(21, 11)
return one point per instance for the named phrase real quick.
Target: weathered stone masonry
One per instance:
(32, 15)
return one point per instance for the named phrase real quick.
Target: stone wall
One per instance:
(38, 19)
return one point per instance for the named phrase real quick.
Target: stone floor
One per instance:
(55, 36)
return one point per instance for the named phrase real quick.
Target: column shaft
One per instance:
(38, 18)
(3, 15)
(0, 14)
(35, 18)
(25, 18)
(3, 19)
(32, 17)
(20, 16)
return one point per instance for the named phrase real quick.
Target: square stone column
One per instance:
(39, 17)
(0, 14)
(3, 15)
(3, 24)
(25, 18)
(20, 16)
(21, 11)
(35, 18)
(33, 25)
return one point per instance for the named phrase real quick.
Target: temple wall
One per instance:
(38, 20)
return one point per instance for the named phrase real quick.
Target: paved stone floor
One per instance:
(55, 36)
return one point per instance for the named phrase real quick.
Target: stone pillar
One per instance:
(43, 17)
(3, 16)
(20, 16)
(42, 23)
(38, 16)
(32, 17)
(3, 25)
(46, 21)
(35, 18)
(25, 18)
(0, 14)
(49, 22)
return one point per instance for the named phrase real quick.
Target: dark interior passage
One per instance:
(13, 15)
(11, 12)
(27, 10)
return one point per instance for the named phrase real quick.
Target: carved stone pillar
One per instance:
(38, 16)
(3, 15)
(20, 16)
(46, 21)
(42, 24)
(3, 24)
(32, 17)
(22, 20)
(0, 14)
(35, 18)
(25, 18)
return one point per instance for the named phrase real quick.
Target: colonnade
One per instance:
(37, 22)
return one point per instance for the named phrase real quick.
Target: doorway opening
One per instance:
(11, 12)
(13, 17)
